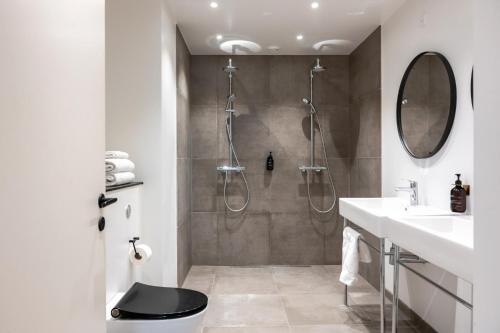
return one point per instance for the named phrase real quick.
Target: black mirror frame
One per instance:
(453, 104)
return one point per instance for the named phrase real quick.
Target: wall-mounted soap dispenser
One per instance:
(458, 197)
(270, 162)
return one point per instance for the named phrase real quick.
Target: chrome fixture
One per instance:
(317, 67)
(313, 114)
(412, 189)
(307, 101)
(234, 163)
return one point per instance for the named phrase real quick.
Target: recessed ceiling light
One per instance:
(314, 5)
(300, 37)
(219, 37)
(214, 4)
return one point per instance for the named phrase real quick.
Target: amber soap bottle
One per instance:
(458, 197)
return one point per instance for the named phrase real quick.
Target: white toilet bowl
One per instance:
(148, 309)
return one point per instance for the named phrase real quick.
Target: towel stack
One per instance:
(118, 168)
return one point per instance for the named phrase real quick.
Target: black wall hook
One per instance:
(137, 255)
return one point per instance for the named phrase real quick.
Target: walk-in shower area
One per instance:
(244, 107)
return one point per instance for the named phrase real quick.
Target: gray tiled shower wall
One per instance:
(278, 226)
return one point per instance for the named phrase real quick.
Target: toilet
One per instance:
(133, 306)
(150, 309)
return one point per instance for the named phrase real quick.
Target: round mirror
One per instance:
(426, 104)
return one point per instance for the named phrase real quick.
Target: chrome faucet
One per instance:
(412, 189)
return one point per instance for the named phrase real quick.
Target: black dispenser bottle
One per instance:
(270, 162)
(458, 197)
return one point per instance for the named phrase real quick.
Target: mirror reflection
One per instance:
(426, 105)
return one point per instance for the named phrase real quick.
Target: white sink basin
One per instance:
(445, 241)
(370, 213)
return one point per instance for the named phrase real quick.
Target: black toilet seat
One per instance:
(143, 301)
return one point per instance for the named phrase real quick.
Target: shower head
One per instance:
(307, 101)
(229, 68)
(317, 67)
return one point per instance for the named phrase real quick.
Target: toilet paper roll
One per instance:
(144, 251)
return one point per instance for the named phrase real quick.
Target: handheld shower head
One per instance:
(231, 98)
(307, 101)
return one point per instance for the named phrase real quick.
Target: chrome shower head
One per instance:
(229, 68)
(317, 67)
(307, 101)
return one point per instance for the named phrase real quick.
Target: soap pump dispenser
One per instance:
(270, 162)
(458, 197)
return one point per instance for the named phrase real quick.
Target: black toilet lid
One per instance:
(142, 301)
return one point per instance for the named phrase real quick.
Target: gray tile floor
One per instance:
(280, 299)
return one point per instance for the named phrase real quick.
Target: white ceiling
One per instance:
(278, 22)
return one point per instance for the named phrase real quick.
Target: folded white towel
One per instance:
(116, 154)
(115, 165)
(119, 178)
(353, 251)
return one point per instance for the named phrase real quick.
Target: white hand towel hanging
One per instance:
(116, 165)
(353, 251)
(119, 178)
(116, 154)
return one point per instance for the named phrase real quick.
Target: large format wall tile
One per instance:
(204, 185)
(296, 239)
(365, 66)
(183, 190)
(204, 238)
(366, 127)
(203, 131)
(183, 251)
(203, 80)
(243, 239)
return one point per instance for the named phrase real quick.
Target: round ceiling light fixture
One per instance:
(274, 48)
(214, 4)
(332, 45)
(300, 37)
(240, 47)
(218, 37)
(314, 5)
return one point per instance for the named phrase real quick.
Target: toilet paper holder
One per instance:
(137, 255)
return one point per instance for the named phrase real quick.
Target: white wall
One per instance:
(445, 26)
(51, 169)
(141, 118)
(486, 165)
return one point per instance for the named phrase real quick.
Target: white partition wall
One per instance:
(141, 118)
(447, 27)
(486, 165)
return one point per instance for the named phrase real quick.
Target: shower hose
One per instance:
(330, 179)
(233, 151)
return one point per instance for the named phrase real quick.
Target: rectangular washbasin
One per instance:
(370, 213)
(445, 241)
